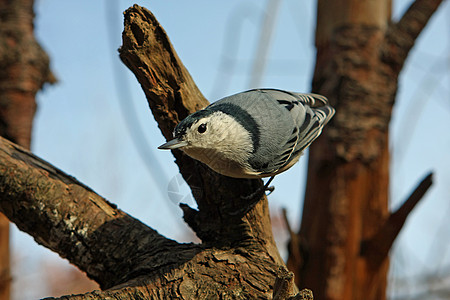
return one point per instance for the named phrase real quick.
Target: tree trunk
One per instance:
(24, 68)
(359, 57)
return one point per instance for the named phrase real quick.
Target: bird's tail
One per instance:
(319, 104)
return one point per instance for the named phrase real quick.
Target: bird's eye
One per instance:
(202, 128)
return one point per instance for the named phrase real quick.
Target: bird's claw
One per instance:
(269, 190)
(254, 198)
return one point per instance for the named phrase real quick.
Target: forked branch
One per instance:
(377, 248)
(401, 36)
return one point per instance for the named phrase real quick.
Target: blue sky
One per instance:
(81, 128)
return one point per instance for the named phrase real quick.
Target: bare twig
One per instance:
(295, 247)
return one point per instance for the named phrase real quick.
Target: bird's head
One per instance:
(207, 131)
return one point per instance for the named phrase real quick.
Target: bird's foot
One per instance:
(254, 198)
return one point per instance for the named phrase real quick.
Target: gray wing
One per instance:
(310, 113)
(282, 124)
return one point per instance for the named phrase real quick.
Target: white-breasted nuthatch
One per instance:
(253, 134)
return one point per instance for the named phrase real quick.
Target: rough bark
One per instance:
(359, 56)
(24, 68)
(116, 250)
(237, 258)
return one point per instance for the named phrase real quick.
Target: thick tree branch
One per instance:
(148, 52)
(69, 218)
(172, 95)
(210, 274)
(377, 248)
(123, 255)
(401, 36)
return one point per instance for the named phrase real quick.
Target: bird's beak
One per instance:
(173, 144)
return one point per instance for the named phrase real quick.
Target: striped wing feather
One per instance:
(313, 112)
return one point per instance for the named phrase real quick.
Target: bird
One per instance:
(253, 134)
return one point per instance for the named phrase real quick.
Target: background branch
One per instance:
(377, 248)
(401, 36)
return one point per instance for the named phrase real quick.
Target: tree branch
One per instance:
(148, 52)
(69, 218)
(296, 248)
(401, 36)
(123, 255)
(172, 95)
(232, 274)
(377, 248)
